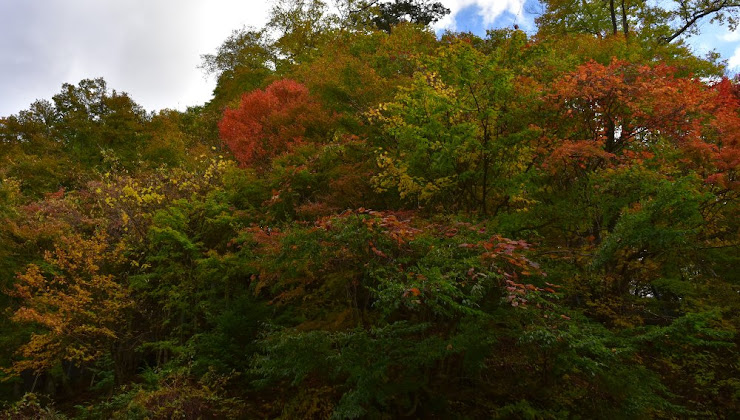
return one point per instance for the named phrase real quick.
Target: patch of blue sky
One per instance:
(469, 19)
(721, 40)
(476, 16)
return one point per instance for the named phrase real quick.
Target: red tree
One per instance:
(616, 113)
(270, 122)
(603, 111)
(720, 145)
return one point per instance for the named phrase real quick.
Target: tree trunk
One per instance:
(613, 12)
(625, 25)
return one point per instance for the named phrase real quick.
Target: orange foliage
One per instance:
(270, 122)
(721, 144)
(79, 306)
(607, 114)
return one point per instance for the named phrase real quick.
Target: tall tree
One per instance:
(660, 23)
(240, 64)
(455, 136)
(300, 28)
(94, 121)
(421, 12)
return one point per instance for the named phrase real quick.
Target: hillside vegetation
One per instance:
(369, 220)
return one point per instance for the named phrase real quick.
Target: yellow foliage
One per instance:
(79, 307)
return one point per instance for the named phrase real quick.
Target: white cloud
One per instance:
(728, 36)
(734, 61)
(150, 49)
(488, 10)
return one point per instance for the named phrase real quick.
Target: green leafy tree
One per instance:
(240, 64)
(658, 24)
(456, 135)
(94, 123)
(390, 14)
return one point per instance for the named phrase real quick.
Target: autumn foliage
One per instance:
(616, 114)
(720, 144)
(80, 307)
(603, 111)
(269, 122)
(407, 226)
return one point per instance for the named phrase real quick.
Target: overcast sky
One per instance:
(151, 48)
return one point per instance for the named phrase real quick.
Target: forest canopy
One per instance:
(371, 220)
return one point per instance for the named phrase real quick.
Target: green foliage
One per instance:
(508, 226)
(668, 221)
(456, 134)
(648, 22)
(421, 12)
(30, 407)
(169, 395)
(380, 369)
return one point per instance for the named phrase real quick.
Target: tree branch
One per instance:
(692, 19)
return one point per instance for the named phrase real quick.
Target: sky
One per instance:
(151, 48)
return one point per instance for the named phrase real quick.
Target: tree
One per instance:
(380, 299)
(269, 122)
(385, 14)
(659, 24)
(84, 128)
(687, 14)
(456, 137)
(31, 151)
(240, 64)
(605, 110)
(94, 121)
(605, 115)
(80, 307)
(415, 11)
(301, 27)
